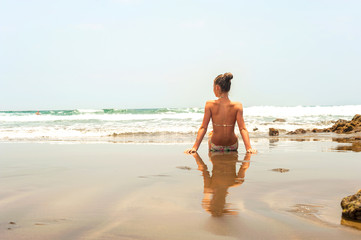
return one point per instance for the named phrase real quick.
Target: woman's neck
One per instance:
(223, 96)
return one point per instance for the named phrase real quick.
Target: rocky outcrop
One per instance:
(273, 132)
(351, 206)
(340, 126)
(343, 126)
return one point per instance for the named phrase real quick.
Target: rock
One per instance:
(351, 206)
(255, 129)
(279, 120)
(273, 132)
(12, 223)
(343, 126)
(281, 170)
(297, 131)
(356, 122)
(356, 119)
(316, 130)
(348, 128)
(300, 130)
(338, 126)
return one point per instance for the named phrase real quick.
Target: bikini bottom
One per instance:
(217, 148)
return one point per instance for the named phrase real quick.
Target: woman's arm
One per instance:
(243, 130)
(202, 130)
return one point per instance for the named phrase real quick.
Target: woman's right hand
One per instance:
(190, 150)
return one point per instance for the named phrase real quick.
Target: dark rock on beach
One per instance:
(344, 126)
(316, 130)
(339, 126)
(351, 206)
(279, 120)
(297, 131)
(273, 132)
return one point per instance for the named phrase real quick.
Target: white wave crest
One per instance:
(298, 111)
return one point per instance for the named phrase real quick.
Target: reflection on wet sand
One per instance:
(224, 175)
(347, 143)
(354, 141)
(274, 140)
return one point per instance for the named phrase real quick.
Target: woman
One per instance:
(224, 114)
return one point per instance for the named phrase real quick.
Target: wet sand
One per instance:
(154, 191)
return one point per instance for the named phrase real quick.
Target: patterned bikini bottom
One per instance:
(217, 148)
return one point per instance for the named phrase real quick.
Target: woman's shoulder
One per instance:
(237, 104)
(210, 102)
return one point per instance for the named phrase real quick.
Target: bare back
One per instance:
(224, 116)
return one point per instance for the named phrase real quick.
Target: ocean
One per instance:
(158, 125)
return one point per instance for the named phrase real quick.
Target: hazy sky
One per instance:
(144, 53)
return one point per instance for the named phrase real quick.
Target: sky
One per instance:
(93, 54)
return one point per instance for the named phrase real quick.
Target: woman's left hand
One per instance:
(252, 151)
(190, 150)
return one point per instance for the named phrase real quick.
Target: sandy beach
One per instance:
(289, 190)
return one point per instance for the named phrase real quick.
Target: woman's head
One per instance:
(224, 82)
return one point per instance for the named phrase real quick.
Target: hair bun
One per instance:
(228, 76)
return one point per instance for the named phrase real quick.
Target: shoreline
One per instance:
(169, 138)
(340, 142)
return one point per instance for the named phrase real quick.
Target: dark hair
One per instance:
(224, 81)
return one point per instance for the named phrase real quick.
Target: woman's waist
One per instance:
(223, 139)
